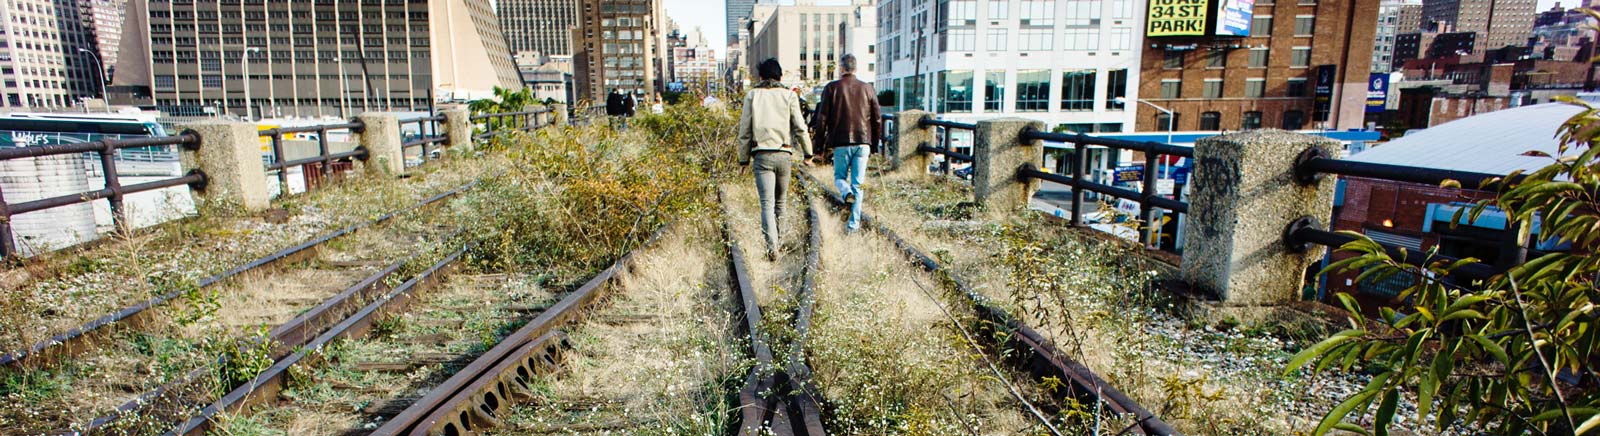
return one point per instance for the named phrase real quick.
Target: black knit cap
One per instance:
(770, 69)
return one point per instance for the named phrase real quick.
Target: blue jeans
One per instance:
(849, 168)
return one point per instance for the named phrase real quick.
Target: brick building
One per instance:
(1268, 78)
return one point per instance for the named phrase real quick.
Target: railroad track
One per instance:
(1035, 354)
(126, 371)
(777, 397)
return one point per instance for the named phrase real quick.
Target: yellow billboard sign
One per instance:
(1176, 18)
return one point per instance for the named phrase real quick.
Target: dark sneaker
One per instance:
(772, 255)
(850, 198)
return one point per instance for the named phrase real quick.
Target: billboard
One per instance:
(1234, 17)
(1177, 18)
(1324, 91)
(1377, 92)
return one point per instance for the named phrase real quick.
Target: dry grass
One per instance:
(656, 358)
(458, 320)
(1206, 380)
(51, 294)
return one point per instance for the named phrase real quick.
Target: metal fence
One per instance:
(427, 137)
(326, 162)
(524, 121)
(113, 191)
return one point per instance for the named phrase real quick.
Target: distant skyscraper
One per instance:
(1499, 23)
(543, 26)
(618, 46)
(42, 64)
(105, 20)
(738, 11)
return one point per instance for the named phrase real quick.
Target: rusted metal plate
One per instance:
(484, 402)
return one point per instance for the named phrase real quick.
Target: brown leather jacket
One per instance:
(848, 114)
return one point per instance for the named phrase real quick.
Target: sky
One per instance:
(711, 17)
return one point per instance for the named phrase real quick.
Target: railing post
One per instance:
(380, 135)
(1243, 197)
(458, 129)
(1080, 163)
(998, 151)
(559, 110)
(229, 154)
(909, 134)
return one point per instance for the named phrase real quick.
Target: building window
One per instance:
(1173, 60)
(1083, 12)
(1304, 25)
(1079, 127)
(1035, 39)
(997, 10)
(1294, 120)
(1077, 90)
(1038, 12)
(1251, 121)
(1166, 122)
(1170, 88)
(1300, 57)
(1261, 25)
(957, 88)
(1296, 87)
(1255, 88)
(1083, 39)
(1258, 57)
(994, 90)
(1216, 59)
(1110, 127)
(997, 39)
(1211, 121)
(1116, 88)
(1033, 91)
(1212, 89)
(957, 13)
(961, 39)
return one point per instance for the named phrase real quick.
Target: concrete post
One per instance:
(380, 135)
(230, 156)
(1243, 196)
(560, 113)
(908, 134)
(458, 128)
(997, 153)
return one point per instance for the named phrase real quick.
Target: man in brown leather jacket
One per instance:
(848, 121)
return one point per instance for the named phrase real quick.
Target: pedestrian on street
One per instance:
(772, 131)
(614, 106)
(848, 121)
(629, 105)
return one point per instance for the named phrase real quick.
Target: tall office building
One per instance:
(104, 21)
(40, 62)
(619, 46)
(542, 26)
(1063, 62)
(1285, 64)
(738, 11)
(326, 57)
(807, 40)
(1499, 23)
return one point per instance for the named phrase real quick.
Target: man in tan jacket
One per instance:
(771, 128)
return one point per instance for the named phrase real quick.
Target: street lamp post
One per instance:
(100, 72)
(245, 65)
(1171, 119)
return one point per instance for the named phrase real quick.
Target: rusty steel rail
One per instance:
(804, 400)
(284, 339)
(75, 340)
(479, 394)
(755, 402)
(269, 383)
(114, 191)
(1040, 356)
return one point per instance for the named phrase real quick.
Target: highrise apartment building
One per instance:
(104, 21)
(542, 26)
(40, 62)
(1394, 17)
(1499, 23)
(738, 11)
(321, 58)
(619, 46)
(807, 40)
(1289, 64)
(1072, 64)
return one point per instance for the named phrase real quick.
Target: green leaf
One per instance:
(1336, 416)
(1380, 423)
(1468, 313)
(1490, 347)
(1588, 425)
(1304, 356)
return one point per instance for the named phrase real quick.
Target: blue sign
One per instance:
(1180, 175)
(1129, 174)
(1377, 92)
(1234, 17)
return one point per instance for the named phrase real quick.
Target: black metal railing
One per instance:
(113, 191)
(1313, 163)
(325, 162)
(944, 133)
(427, 137)
(524, 121)
(1147, 197)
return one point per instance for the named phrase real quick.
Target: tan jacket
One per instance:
(772, 121)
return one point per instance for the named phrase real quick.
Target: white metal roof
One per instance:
(1488, 143)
